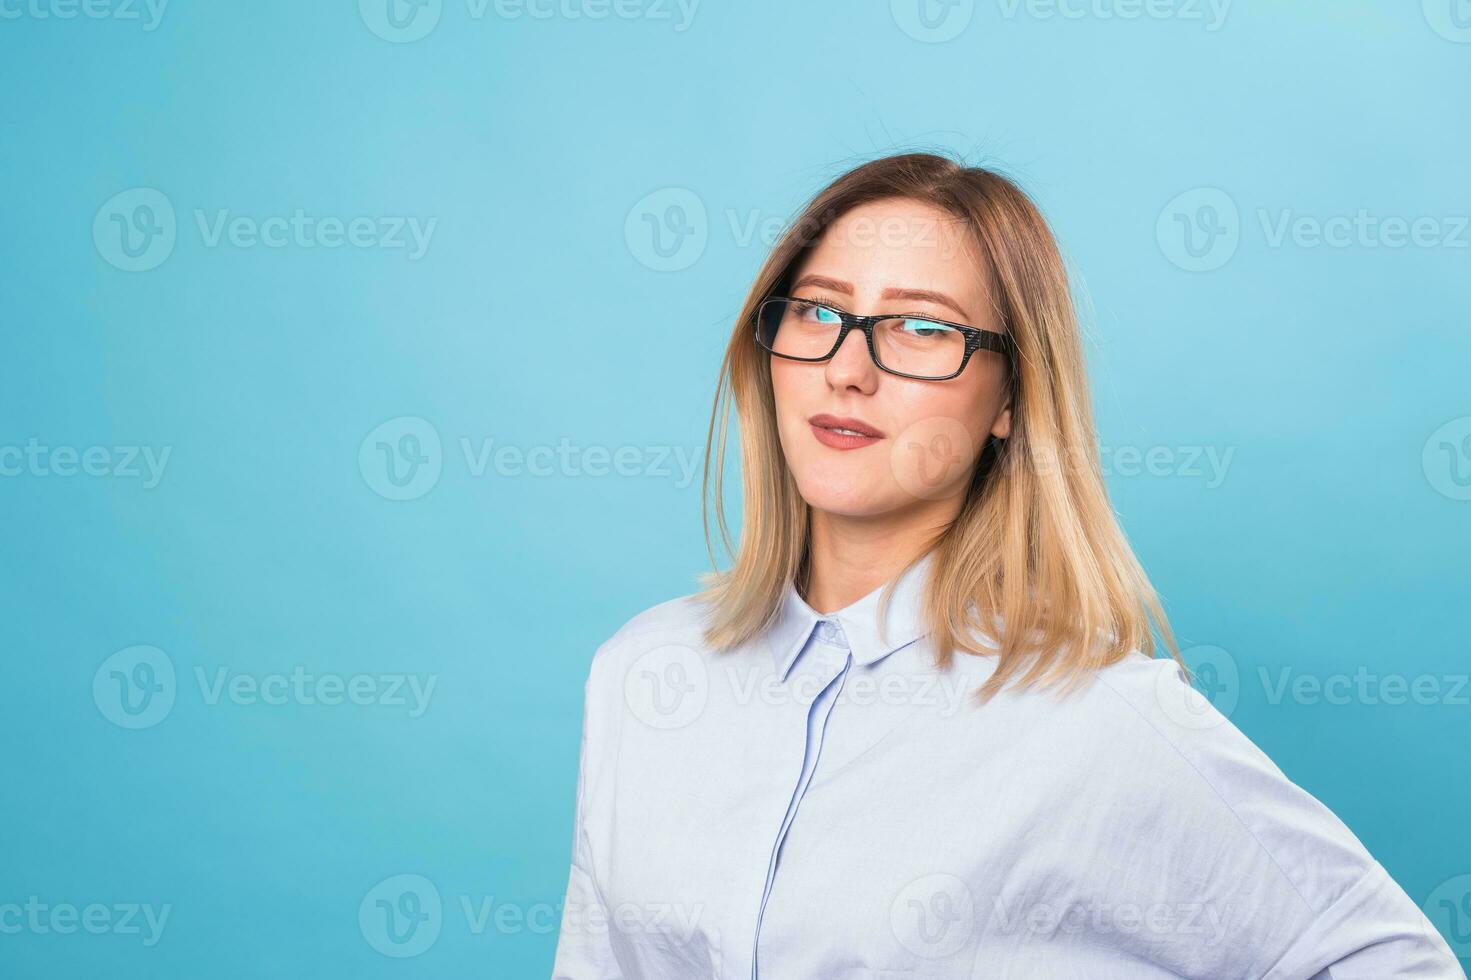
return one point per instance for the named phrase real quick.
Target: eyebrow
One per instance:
(892, 292)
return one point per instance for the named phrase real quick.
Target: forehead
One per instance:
(901, 242)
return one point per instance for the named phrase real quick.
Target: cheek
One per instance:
(781, 380)
(791, 377)
(968, 403)
(942, 429)
(791, 384)
(786, 392)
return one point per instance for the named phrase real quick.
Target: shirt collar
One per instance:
(904, 623)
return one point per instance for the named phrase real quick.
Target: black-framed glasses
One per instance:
(910, 346)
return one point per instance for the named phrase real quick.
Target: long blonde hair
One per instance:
(1035, 546)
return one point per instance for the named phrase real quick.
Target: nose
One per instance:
(851, 366)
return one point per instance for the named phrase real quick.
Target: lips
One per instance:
(844, 425)
(837, 432)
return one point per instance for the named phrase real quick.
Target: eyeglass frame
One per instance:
(976, 338)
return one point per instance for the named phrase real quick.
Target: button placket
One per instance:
(833, 659)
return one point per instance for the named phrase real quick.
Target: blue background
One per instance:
(544, 310)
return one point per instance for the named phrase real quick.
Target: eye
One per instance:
(816, 314)
(924, 329)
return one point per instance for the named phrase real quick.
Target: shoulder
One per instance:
(1142, 702)
(683, 614)
(1151, 701)
(1154, 703)
(1152, 708)
(673, 629)
(660, 644)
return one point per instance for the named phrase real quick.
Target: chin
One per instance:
(846, 499)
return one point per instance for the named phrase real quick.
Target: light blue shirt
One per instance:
(824, 803)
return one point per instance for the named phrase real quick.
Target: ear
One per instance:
(1001, 428)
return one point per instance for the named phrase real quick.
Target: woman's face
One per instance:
(892, 256)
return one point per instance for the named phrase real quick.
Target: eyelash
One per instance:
(823, 301)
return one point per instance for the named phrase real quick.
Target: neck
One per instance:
(849, 557)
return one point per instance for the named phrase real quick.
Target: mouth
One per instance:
(843, 433)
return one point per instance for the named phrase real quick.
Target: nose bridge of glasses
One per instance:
(852, 334)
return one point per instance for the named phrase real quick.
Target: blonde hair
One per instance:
(1035, 545)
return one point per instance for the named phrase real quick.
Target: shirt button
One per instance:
(830, 633)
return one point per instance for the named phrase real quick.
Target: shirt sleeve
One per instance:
(1331, 908)
(1372, 931)
(584, 948)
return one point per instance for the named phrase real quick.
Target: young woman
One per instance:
(918, 728)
